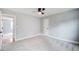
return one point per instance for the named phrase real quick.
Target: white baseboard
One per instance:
(62, 39)
(48, 36)
(27, 37)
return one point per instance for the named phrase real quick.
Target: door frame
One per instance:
(14, 24)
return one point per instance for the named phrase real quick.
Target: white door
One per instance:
(45, 26)
(7, 29)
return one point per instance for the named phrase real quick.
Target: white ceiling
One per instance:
(33, 11)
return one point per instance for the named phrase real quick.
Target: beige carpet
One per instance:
(39, 43)
(32, 44)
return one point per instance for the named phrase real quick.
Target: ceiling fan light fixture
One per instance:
(41, 11)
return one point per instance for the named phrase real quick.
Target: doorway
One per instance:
(7, 29)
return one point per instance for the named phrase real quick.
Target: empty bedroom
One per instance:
(39, 29)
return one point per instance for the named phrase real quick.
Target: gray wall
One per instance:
(65, 25)
(26, 25)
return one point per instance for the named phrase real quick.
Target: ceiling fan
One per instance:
(40, 11)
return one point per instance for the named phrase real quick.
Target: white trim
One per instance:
(9, 15)
(47, 36)
(61, 39)
(27, 37)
